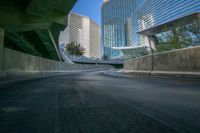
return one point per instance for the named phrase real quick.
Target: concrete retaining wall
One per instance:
(143, 64)
(15, 61)
(178, 61)
(1, 51)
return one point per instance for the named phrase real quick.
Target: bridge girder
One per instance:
(43, 17)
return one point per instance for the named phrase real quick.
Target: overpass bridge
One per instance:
(33, 26)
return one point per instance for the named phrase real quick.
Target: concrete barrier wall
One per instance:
(144, 63)
(14, 61)
(184, 60)
(179, 60)
(17, 61)
(1, 49)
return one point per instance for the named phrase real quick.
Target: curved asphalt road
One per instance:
(95, 103)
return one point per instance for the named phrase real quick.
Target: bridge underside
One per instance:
(33, 26)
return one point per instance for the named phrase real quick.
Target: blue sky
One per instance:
(90, 8)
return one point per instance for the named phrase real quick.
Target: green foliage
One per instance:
(182, 34)
(75, 49)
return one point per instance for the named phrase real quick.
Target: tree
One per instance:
(75, 49)
(185, 33)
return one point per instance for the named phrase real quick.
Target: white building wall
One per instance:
(84, 31)
(80, 36)
(86, 37)
(75, 23)
(94, 41)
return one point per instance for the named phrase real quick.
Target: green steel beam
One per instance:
(49, 42)
(45, 18)
(63, 8)
(42, 7)
(55, 29)
(16, 20)
(21, 42)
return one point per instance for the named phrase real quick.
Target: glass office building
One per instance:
(156, 12)
(114, 17)
(144, 15)
(153, 13)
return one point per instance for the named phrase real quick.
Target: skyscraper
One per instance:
(114, 14)
(82, 30)
(156, 12)
(154, 15)
(134, 22)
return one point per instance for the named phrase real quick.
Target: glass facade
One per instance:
(153, 13)
(128, 32)
(156, 12)
(143, 14)
(114, 17)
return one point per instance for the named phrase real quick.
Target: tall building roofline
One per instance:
(105, 1)
(84, 17)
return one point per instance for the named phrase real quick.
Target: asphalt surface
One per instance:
(96, 103)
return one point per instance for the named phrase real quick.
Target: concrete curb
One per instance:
(173, 74)
(137, 72)
(121, 74)
(176, 74)
(14, 72)
(156, 75)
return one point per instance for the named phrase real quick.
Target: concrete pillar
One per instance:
(2, 73)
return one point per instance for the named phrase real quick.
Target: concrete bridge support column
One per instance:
(2, 72)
